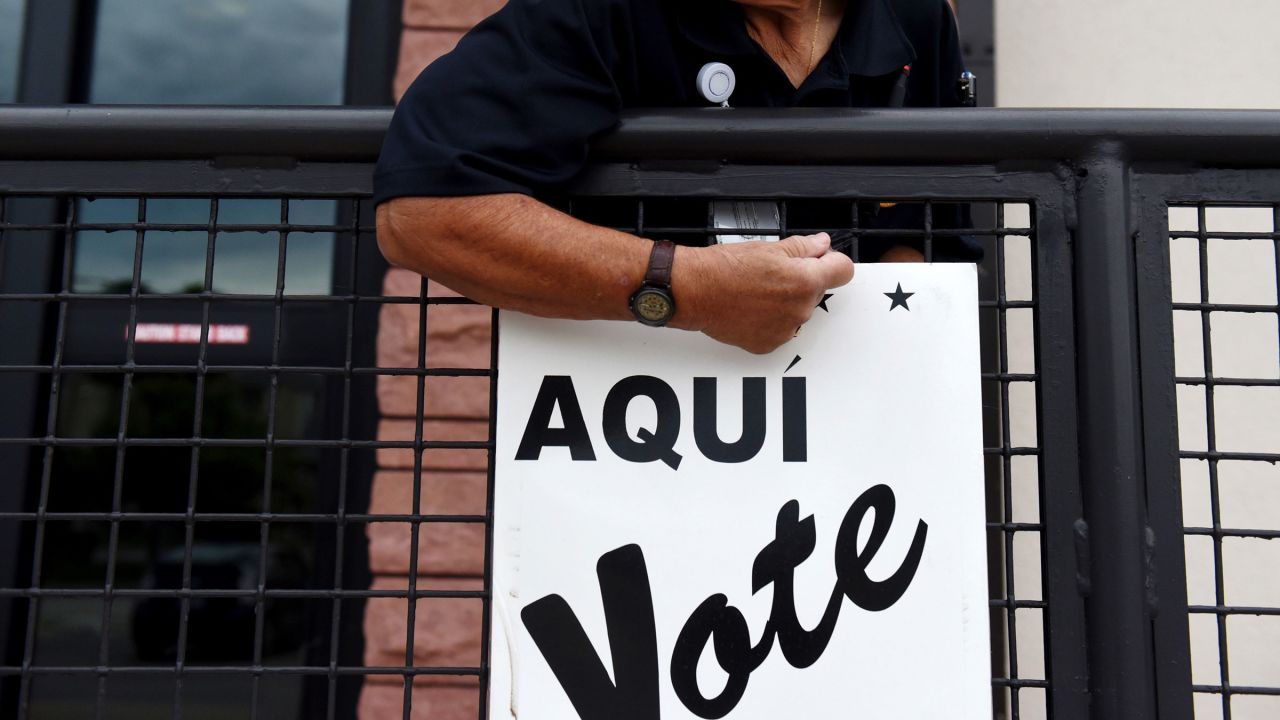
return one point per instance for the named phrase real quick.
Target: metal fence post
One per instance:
(1171, 622)
(1111, 463)
(28, 263)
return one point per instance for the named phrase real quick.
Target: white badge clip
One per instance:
(716, 82)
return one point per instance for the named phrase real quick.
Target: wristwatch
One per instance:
(653, 304)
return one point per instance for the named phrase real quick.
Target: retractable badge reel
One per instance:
(716, 82)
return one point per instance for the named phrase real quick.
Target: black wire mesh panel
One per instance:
(203, 532)
(190, 487)
(1012, 427)
(1226, 271)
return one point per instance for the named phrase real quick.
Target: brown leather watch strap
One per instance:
(661, 258)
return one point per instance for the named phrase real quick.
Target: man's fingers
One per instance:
(807, 246)
(834, 270)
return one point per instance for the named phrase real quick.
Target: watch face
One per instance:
(653, 307)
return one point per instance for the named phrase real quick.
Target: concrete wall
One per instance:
(1138, 53)
(1193, 54)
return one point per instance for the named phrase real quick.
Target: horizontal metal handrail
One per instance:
(99, 132)
(758, 136)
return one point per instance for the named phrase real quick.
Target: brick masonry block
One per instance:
(447, 631)
(459, 398)
(451, 549)
(461, 430)
(457, 336)
(455, 549)
(442, 493)
(402, 283)
(418, 49)
(430, 702)
(451, 14)
(406, 283)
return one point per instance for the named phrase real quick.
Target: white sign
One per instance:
(685, 530)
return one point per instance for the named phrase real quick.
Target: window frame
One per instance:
(57, 42)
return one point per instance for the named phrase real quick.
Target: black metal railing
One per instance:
(189, 307)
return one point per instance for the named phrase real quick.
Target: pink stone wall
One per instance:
(432, 28)
(453, 482)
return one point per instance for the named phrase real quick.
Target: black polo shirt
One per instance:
(514, 108)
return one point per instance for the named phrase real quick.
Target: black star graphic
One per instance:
(823, 303)
(899, 299)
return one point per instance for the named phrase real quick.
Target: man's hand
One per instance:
(755, 295)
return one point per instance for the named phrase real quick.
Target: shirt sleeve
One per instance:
(512, 109)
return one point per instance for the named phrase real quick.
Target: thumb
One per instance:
(807, 246)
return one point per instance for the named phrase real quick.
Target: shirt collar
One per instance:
(871, 41)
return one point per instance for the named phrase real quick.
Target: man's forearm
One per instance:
(516, 253)
(513, 252)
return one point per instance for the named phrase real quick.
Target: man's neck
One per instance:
(786, 30)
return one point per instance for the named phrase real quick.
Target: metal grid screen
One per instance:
(195, 536)
(191, 535)
(1225, 264)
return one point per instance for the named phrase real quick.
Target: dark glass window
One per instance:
(149, 555)
(173, 261)
(221, 52)
(11, 14)
(255, 52)
(225, 52)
